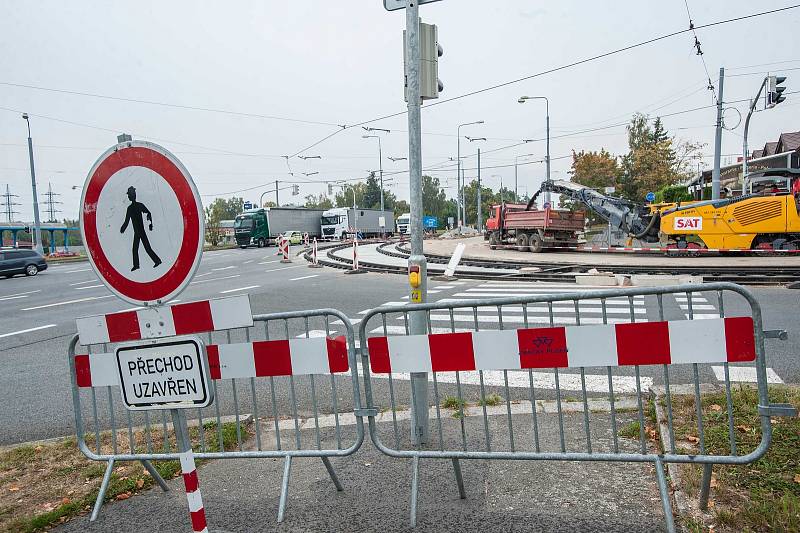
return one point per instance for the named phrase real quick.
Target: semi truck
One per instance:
(533, 230)
(342, 222)
(404, 224)
(261, 227)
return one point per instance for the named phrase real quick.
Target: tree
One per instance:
(269, 203)
(651, 162)
(220, 209)
(433, 197)
(594, 169)
(372, 193)
(344, 198)
(401, 207)
(488, 198)
(318, 202)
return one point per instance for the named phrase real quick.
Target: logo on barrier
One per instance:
(688, 223)
(164, 375)
(542, 347)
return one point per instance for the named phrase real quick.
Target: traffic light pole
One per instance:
(417, 322)
(37, 230)
(747, 126)
(480, 218)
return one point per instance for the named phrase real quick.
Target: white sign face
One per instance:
(610, 190)
(142, 222)
(688, 223)
(382, 222)
(392, 5)
(164, 375)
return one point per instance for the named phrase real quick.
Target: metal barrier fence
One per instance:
(270, 371)
(486, 340)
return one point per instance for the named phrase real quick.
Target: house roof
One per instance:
(789, 142)
(757, 154)
(770, 147)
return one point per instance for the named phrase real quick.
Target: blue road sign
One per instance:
(430, 222)
(651, 196)
(248, 205)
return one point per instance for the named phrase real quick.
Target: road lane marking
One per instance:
(224, 268)
(284, 268)
(79, 270)
(20, 332)
(268, 262)
(206, 274)
(67, 302)
(304, 277)
(89, 287)
(18, 295)
(82, 282)
(214, 279)
(745, 374)
(240, 289)
(248, 262)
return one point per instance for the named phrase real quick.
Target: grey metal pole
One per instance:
(37, 232)
(547, 109)
(516, 176)
(458, 177)
(277, 201)
(380, 168)
(715, 174)
(417, 322)
(480, 221)
(747, 127)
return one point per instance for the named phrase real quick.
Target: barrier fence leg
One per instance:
(101, 495)
(155, 475)
(332, 473)
(287, 469)
(197, 513)
(414, 490)
(664, 490)
(705, 487)
(459, 479)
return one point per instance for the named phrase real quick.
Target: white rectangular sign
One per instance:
(688, 223)
(164, 374)
(392, 5)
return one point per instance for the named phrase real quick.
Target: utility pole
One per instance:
(480, 218)
(51, 203)
(37, 233)
(277, 200)
(8, 204)
(715, 174)
(417, 321)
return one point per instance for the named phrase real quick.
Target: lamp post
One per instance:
(37, 232)
(460, 191)
(522, 100)
(478, 215)
(516, 161)
(380, 158)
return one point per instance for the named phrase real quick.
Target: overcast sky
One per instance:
(326, 63)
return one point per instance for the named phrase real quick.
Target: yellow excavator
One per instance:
(765, 217)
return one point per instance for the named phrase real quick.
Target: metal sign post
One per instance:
(417, 323)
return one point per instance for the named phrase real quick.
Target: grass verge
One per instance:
(46, 484)
(760, 496)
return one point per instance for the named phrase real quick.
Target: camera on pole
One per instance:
(430, 51)
(775, 90)
(295, 190)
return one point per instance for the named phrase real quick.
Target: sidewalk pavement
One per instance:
(242, 495)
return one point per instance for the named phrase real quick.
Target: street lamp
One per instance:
(396, 159)
(304, 157)
(522, 100)
(37, 232)
(460, 191)
(380, 157)
(310, 173)
(367, 128)
(501, 185)
(516, 160)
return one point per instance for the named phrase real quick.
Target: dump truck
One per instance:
(533, 230)
(261, 227)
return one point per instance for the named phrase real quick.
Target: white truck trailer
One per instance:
(343, 222)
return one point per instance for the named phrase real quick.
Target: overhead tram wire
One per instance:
(555, 69)
(699, 52)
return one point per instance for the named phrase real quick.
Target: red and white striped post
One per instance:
(355, 254)
(305, 238)
(285, 251)
(197, 512)
(314, 260)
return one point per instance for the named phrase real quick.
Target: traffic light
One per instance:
(295, 190)
(430, 51)
(775, 90)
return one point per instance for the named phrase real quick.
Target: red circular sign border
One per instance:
(160, 161)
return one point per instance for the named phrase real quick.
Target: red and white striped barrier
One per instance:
(355, 254)
(191, 482)
(314, 258)
(293, 357)
(305, 238)
(283, 244)
(645, 343)
(166, 321)
(647, 249)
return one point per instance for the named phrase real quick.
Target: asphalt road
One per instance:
(37, 320)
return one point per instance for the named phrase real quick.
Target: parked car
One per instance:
(295, 237)
(28, 262)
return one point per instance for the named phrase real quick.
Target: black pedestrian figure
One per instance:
(134, 216)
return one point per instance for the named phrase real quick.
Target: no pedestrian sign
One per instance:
(142, 222)
(164, 375)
